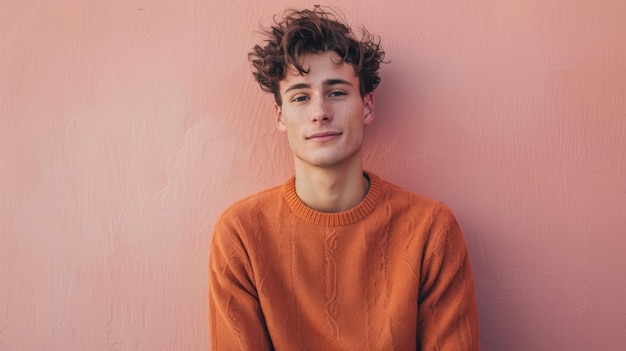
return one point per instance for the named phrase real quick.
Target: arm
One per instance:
(235, 317)
(448, 314)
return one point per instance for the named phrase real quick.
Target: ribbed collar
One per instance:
(355, 214)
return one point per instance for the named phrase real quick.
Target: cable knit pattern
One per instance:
(392, 273)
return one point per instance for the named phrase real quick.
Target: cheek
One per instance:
(292, 134)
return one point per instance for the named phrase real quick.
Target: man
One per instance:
(335, 258)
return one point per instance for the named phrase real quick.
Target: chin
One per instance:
(329, 161)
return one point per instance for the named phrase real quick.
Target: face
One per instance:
(323, 113)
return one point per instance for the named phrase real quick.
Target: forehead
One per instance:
(321, 67)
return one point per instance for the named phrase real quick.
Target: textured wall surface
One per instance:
(126, 127)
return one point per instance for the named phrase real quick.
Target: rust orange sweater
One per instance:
(392, 273)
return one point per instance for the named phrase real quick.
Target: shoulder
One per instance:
(251, 206)
(400, 197)
(239, 221)
(429, 216)
(424, 212)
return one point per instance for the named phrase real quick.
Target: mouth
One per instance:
(323, 135)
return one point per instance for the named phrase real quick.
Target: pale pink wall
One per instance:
(127, 126)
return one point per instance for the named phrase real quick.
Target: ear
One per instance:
(369, 112)
(280, 124)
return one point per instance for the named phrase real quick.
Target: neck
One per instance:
(331, 190)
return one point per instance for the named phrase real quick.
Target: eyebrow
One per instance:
(328, 82)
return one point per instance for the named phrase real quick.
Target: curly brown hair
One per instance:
(309, 32)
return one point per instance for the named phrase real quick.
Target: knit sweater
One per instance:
(392, 273)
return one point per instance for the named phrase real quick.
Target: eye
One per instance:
(300, 98)
(337, 93)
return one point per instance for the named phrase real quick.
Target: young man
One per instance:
(335, 258)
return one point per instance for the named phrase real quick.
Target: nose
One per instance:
(321, 111)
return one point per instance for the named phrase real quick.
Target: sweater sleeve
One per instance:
(235, 317)
(448, 313)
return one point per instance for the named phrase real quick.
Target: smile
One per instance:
(323, 136)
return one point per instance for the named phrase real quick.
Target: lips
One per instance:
(323, 135)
